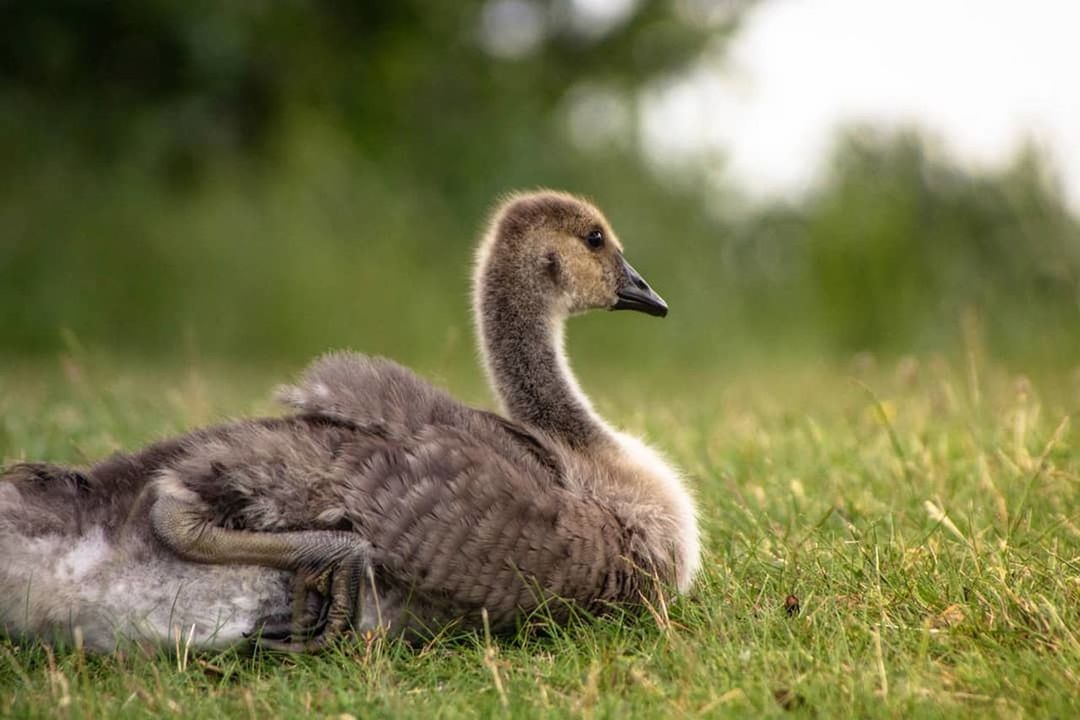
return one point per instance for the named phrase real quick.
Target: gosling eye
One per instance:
(595, 239)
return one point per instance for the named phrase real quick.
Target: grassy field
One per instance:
(925, 513)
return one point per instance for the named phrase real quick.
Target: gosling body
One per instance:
(381, 495)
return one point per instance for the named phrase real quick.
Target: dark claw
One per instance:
(279, 627)
(280, 630)
(325, 609)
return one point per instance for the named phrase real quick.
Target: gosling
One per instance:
(380, 502)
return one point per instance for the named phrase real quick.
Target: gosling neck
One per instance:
(521, 337)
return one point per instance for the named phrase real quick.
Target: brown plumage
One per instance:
(393, 503)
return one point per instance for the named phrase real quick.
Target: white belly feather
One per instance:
(59, 588)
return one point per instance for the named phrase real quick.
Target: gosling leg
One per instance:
(328, 563)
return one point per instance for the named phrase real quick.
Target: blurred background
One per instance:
(803, 180)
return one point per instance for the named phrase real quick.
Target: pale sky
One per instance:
(981, 75)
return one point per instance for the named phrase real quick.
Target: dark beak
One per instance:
(635, 294)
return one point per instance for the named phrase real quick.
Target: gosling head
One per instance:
(559, 252)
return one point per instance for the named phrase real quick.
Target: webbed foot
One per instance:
(327, 606)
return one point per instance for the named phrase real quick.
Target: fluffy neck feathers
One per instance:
(520, 327)
(521, 336)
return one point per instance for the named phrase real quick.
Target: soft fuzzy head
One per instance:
(559, 253)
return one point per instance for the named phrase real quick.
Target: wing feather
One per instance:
(465, 511)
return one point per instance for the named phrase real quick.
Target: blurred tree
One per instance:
(898, 245)
(206, 170)
(413, 82)
(266, 179)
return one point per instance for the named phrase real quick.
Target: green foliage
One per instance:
(411, 83)
(898, 238)
(270, 180)
(265, 181)
(898, 249)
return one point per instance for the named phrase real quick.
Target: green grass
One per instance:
(925, 514)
